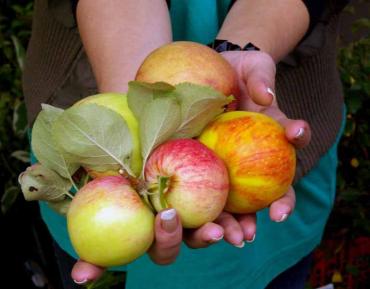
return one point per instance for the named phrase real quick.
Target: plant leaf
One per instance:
(23, 156)
(141, 93)
(40, 183)
(159, 121)
(199, 106)
(44, 146)
(8, 198)
(95, 136)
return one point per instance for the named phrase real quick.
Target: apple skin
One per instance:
(118, 103)
(186, 61)
(108, 223)
(198, 180)
(260, 160)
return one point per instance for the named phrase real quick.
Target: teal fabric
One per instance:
(277, 245)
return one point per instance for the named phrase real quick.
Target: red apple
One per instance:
(108, 223)
(186, 61)
(260, 160)
(195, 181)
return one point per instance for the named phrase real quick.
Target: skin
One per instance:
(107, 27)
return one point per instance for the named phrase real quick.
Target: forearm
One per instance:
(274, 26)
(117, 36)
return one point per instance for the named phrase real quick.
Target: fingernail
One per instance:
(283, 218)
(216, 239)
(270, 91)
(251, 240)
(80, 282)
(241, 245)
(168, 220)
(300, 133)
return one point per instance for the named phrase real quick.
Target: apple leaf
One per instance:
(159, 120)
(95, 136)
(199, 106)
(45, 148)
(141, 93)
(40, 183)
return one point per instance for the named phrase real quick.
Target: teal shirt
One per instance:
(277, 245)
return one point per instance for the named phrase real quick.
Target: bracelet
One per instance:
(224, 45)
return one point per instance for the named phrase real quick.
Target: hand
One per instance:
(164, 250)
(256, 78)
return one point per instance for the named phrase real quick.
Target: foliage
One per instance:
(354, 166)
(15, 24)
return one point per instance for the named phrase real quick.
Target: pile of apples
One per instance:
(240, 163)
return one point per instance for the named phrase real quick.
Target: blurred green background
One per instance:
(27, 247)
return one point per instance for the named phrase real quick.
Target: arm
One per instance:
(118, 35)
(273, 26)
(276, 27)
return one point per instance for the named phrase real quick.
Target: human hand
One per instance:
(256, 78)
(164, 250)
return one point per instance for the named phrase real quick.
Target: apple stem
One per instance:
(157, 192)
(69, 195)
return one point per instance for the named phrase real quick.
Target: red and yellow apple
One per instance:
(118, 103)
(196, 181)
(185, 61)
(108, 223)
(260, 160)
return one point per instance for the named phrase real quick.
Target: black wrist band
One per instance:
(224, 45)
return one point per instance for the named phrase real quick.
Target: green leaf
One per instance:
(159, 121)
(20, 118)
(95, 137)
(44, 146)
(23, 156)
(199, 106)
(19, 51)
(141, 93)
(40, 183)
(8, 198)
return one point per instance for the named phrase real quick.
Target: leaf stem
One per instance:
(69, 195)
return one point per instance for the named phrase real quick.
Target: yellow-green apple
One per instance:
(184, 174)
(108, 223)
(118, 103)
(260, 160)
(186, 61)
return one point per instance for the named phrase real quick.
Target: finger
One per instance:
(83, 272)
(260, 90)
(248, 224)
(168, 237)
(283, 207)
(260, 79)
(297, 132)
(232, 231)
(204, 236)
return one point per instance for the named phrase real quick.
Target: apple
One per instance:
(118, 103)
(108, 223)
(184, 174)
(260, 160)
(186, 61)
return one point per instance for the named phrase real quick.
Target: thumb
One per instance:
(83, 272)
(259, 77)
(168, 237)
